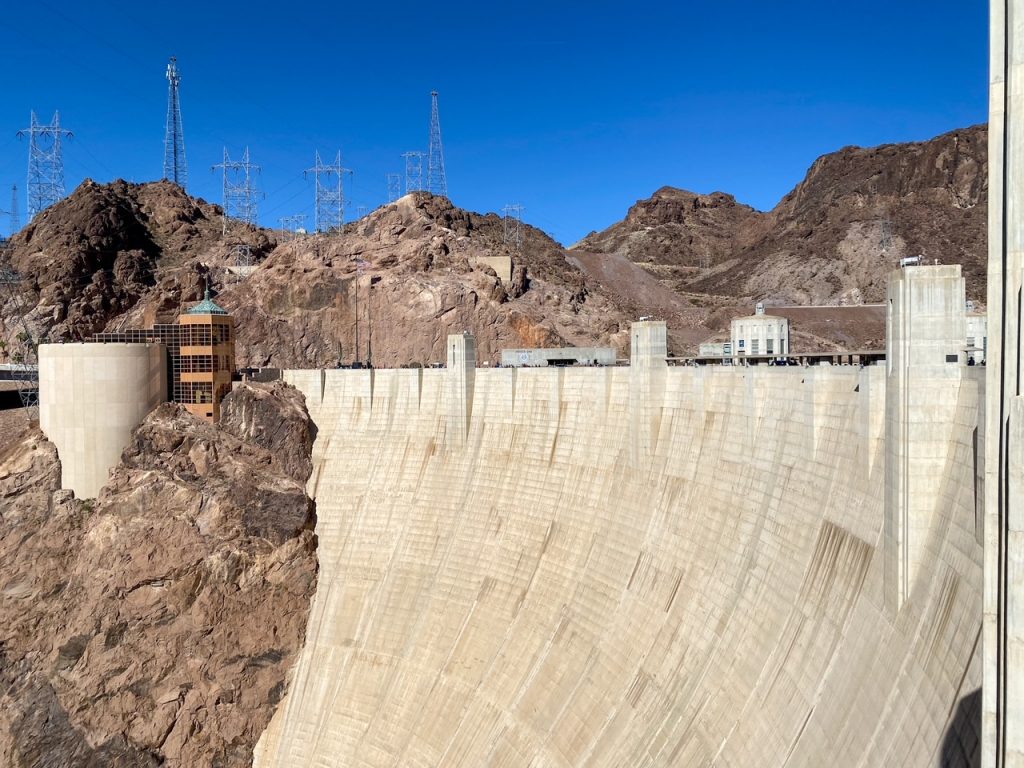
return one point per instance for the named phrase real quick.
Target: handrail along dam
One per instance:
(648, 565)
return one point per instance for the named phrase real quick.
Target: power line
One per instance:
(175, 166)
(45, 163)
(437, 181)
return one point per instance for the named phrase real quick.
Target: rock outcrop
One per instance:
(157, 624)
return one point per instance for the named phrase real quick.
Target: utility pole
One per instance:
(394, 186)
(413, 171)
(513, 220)
(239, 187)
(330, 193)
(437, 181)
(175, 167)
(45, 163)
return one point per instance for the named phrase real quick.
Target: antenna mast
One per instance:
(45, 163)
(175, 167)
(437, 181)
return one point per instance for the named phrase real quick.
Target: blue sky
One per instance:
(574, 110)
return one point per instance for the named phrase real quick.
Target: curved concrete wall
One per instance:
(628, 567)
(91, 396)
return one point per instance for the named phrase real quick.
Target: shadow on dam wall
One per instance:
(629, 567)
(961, 748)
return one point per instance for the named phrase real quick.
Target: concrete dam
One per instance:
(648, 565)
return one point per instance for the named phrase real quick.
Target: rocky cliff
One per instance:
(157, 624)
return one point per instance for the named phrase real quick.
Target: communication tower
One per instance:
(437, 181)
(239, 189)
(45, 163)
(175, 167)
(394, 186)
(413, 171)
(330, 193)
(513, 219)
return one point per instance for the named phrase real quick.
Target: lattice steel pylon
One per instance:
(413, 171)
(437, 180)
(175, 167)
(24, 356)
(291, 225)
(239, 189)
(393, 186)
(513, 219)
(885, 240)
(13, 213)
(45, 163)
(330, 193)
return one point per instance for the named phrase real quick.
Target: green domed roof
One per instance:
(206, 307)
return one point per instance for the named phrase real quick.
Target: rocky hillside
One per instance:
(127, 255)
(156, 625)
(94, 255)
(393, 285)
(832, 239)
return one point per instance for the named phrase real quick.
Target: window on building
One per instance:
(770, 346)
(755, 346)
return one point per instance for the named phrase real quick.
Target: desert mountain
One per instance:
(388, 288)
(832, 239)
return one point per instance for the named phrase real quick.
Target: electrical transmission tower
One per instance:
(886, 238)
(513, 218)
(45, 163)
(175, 167)
(13, 213)
(437, 181)
(394, 186)
(330, 193)
(291, 225)
(239, 189)
(413, 171)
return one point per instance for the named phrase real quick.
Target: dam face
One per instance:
(643, 566)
